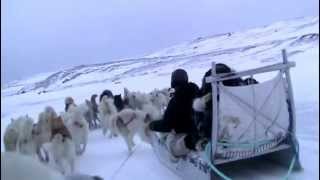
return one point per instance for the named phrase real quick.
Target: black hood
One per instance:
(220, 68)
(179, 77)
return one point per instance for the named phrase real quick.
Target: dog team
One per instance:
(58, 139)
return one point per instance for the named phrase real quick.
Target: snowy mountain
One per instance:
(253, 48)
(260, 46)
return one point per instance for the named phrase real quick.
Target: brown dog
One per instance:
(49, 124)
(58, 127)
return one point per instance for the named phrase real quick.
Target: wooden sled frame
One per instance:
(281, 154)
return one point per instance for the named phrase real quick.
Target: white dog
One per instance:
(165, 91)
(11, 135)
(16, 166)
(63, 151)
(152, 111)
(129, 122)
(78, 127)
(25, 140)
(107, 110)
(136, 99)
(18, 136)
(85, 108)
(42, 132)
(44, 125)
(159, 100)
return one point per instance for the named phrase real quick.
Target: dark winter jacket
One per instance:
(203, 120)
(220, 69)
(178, 115)
(250, 80)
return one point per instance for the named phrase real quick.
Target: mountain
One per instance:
(261, 46)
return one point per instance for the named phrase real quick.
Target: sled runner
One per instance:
(248, 122)
(187, 167)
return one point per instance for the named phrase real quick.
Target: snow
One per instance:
(306, 76)
(109, 157)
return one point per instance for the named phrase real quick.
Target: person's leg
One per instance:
(160, 126)
(191, 140)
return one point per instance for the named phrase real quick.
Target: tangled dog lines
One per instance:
(54, 141)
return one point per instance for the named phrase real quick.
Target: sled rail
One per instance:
(218, 161)
(270, 68)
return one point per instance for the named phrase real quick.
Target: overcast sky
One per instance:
(48, 35)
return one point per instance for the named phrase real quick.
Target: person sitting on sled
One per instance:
(203, 104)
(177, 119)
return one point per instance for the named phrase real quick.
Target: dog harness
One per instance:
(130, 120)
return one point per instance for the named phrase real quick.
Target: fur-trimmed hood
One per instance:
(199, 104)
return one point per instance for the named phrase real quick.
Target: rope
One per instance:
(223, 176)
(293, 161)
(208, 159)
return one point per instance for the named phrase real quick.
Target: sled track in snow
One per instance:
(117, 171)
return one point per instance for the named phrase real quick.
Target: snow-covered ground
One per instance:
(240, 50)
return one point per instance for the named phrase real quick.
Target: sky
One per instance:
(45, 36)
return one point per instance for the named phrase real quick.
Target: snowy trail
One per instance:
(105, 157)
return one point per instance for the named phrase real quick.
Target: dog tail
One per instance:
(152, 111)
